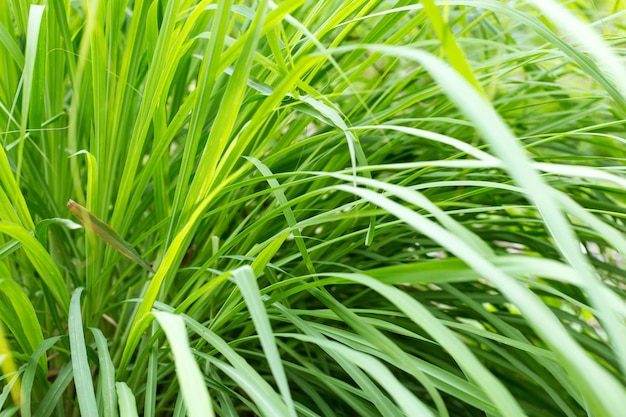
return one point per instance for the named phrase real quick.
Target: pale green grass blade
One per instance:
(190, 379)
(403, 397)
(253, 384)
(80, 364)
(505, 145)
(583, 60)
(371, 392)
(246, 281)
(372, 336)
(126, 400)
(107, 398)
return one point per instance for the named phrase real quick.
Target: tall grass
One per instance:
(312, 208)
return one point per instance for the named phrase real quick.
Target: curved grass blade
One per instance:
(571, 355)
(42, 262)
(374, 367)
(19, 315)
(253, 384)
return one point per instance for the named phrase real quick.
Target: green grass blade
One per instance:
(80, 364)
(251, 382)
(126, 400)
(107, 397)
(152, 379)
(30, 373)
(42, 262)
(190, 379)
(53, 397)
(18, 313)
(28, 75)
(449, 45)
(577, 29)
(246, 281)
(403, 397)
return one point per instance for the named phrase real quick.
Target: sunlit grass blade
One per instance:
(190, 379)
(529, 304)
(590, 39)
(7, 364)
(403, 397)
(449, 45)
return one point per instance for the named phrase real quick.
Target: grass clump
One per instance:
(305, 208)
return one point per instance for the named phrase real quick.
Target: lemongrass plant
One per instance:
(312, 208)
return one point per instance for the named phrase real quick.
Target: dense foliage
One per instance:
(313, 208)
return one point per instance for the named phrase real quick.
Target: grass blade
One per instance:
(110, 236)
(106, 381)
(80, 364)
(126, 400)
(190, 378)
(245, 279)
(7, 364)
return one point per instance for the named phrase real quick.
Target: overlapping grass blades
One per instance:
(316, 208)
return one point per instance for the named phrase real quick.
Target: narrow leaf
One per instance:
(80, 365)
(107, 234)
(190, 378)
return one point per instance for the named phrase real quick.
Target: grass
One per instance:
(305, 208)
